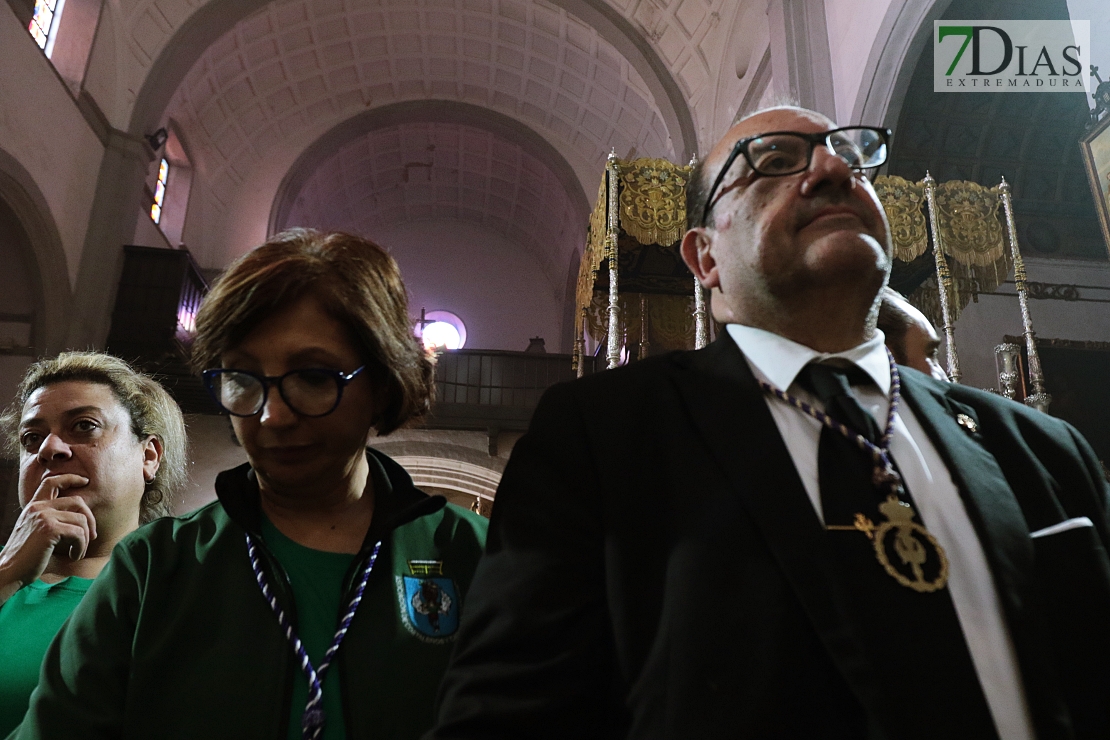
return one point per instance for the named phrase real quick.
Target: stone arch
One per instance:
(423, 111)
(47, 258)
(444, 474)
(905, 30)
(446, 467)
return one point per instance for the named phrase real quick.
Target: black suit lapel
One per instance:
(992, 506)
(729, 412)
(998, 520)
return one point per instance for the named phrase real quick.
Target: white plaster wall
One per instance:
(982, 325)
(497, 288)
(768, 96)
(147, 233)
(16, 297)
(101, 81)
(683, 33)
(737, 67)
(852, 27)
(217, 236)
(12, 368)
(41, 127)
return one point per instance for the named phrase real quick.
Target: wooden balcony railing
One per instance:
(493, 389)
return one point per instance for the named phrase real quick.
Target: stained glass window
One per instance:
(160, 191)
(44, 22)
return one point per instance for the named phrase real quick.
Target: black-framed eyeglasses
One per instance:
(780, 153)
(309, 392)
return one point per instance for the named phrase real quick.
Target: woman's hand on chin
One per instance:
(49, 524)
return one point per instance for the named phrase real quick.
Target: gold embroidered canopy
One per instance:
(963, 236)
(631, 270)
(970, 233)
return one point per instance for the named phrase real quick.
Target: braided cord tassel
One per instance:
(312, 722)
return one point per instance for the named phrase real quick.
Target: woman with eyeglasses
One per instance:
(319, 596)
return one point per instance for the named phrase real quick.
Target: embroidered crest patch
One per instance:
(429, 606)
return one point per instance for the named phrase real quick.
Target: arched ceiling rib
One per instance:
(441, 170)
(425, 111)
(670, 43)
(297, 63)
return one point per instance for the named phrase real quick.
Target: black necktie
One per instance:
(913, 641)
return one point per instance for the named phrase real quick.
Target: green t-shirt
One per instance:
(317, 580)
(28, 622)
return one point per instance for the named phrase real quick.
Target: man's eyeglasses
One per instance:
(309, 392)
(788, 152)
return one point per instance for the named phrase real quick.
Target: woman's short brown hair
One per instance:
(152, 410)
(358, 284)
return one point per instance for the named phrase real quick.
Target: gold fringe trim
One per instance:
(969, 227)
(903, 202)
(653, 200)
(670, 320)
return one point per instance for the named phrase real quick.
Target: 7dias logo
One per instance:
(1011, 56)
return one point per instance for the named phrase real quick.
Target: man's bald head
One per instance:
(697, 188)
(774, 240)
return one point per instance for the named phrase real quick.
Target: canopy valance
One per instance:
(631, 271)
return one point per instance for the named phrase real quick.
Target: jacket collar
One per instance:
(396, 500)
(780, 360)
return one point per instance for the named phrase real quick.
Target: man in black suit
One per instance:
(689, 548)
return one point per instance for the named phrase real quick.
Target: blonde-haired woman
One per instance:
(101, 450)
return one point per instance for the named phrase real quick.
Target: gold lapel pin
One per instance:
(967, 423)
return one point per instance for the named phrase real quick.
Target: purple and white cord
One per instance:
(880, 453)
(312, 721)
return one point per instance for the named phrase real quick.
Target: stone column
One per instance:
(801, 64)
(118, 202)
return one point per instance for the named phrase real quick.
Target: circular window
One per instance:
(443, 330)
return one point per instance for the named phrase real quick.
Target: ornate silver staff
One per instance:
(643, 327)
(701, 325)
(1039, 398)
(580, 346)
(1006, 359)
(944, 280)
(612, 171)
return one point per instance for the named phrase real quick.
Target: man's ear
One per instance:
(152, 457)
(698, 256)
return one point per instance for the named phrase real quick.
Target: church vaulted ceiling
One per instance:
(295, 63)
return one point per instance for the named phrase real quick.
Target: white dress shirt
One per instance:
(777, 361)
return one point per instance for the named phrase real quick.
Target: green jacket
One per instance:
(174, 639)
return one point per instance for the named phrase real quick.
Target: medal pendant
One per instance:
(912, 545)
